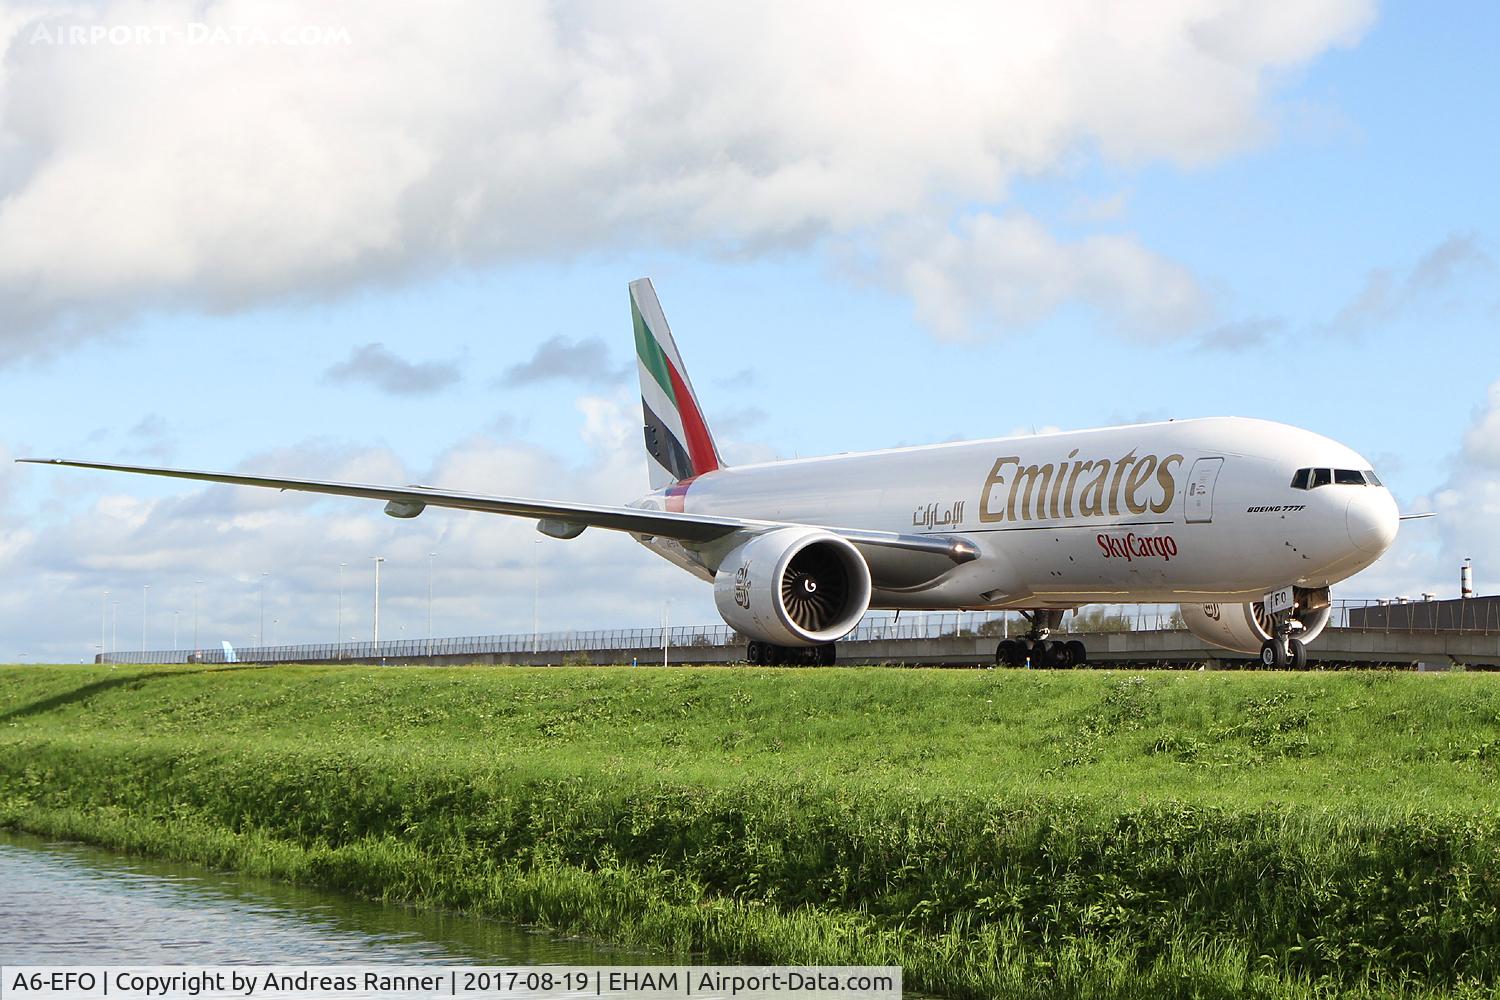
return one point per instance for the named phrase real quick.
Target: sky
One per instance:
(388, 242)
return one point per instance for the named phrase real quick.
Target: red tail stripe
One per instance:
(677, 495)
(700, 445)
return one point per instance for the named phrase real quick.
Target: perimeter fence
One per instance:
(1482, 618)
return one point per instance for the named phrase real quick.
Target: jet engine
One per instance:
(793, 587)
(1243, 627)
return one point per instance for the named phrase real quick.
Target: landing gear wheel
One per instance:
(1297, 659)
(827, 655)
(1273, 654)
(1057, 654)
(755, 653)
(1080, 653)
(1009, 654)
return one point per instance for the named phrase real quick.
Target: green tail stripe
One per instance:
(650, 353)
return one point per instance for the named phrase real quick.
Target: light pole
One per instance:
(666, 630)
(536, 591)
(196, 585)
(430, 557)
(376, 630)
(144, 587)
(261, 635)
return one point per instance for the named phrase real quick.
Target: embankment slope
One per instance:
(996, 833)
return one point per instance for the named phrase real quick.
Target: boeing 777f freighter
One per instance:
(1244, 523)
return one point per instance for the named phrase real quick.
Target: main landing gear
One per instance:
(1036, 650)
(766, 654)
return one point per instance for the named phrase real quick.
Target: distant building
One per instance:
(1473, 614)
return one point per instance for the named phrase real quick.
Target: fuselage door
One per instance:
(1198, 502)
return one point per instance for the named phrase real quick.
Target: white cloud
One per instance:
(484, 572)
(1427, 553)
(1387, 294)
(993, 273)
(215, 176)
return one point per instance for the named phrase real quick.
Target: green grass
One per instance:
(996, 833)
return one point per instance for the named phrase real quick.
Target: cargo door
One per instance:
(1198, 502)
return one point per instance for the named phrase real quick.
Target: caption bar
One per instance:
(617, 982)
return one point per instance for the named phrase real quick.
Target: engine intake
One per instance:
(793, 587)
(1243, 627)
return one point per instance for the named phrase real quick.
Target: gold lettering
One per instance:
(1096, 508)
(1078, 469)
(1114, 484)
(1168, 484)
(1056, 506)
(995, 479)
(1030, 475)
(1138, 478)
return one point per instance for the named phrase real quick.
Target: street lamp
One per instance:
(536, 591)
(376, 629)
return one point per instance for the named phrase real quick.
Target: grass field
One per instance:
(996, 833)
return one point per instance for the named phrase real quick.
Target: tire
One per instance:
(755, 653)
(1059, 655)
(1080, 653)
(1298, 658)
(1273, 655)
(1010, 653)
(827, 655)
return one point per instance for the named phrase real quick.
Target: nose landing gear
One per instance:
(1284, 650)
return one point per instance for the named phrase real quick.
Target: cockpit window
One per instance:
(1311, 479)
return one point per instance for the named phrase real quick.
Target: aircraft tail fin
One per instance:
(679, 445)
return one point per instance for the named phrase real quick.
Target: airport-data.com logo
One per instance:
(191, 33)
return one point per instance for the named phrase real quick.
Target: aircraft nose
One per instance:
(1372, 520)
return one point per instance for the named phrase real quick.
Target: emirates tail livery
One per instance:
(1245, 523)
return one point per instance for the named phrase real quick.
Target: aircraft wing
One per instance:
(666, 524)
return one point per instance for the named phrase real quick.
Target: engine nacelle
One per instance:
(793, 587)
(1243, 627)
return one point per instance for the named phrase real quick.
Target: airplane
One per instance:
(1244, 523)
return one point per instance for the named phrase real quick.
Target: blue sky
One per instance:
(1311, 239)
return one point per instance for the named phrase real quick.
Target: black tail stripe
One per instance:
(664, 446)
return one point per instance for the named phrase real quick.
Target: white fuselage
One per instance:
(1189, 510)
